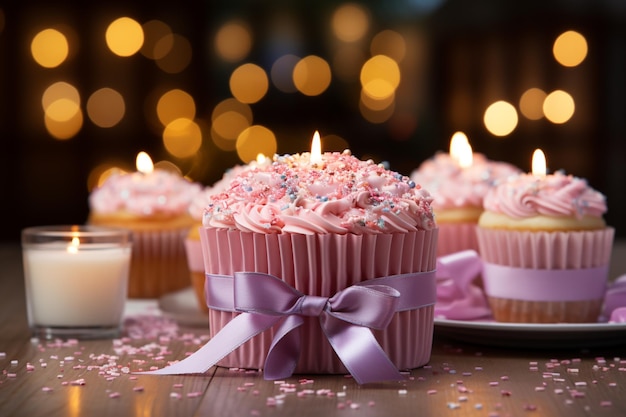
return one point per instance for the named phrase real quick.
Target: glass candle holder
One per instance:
(76, 280)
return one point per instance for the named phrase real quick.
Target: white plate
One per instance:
(566, 335)
(183, 307)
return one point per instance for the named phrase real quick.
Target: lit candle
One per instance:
(144, 163)
(539, 164)
(461, 150)
(316, 151)
(76, 279)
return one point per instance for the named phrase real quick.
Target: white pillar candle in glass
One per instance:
(76, 279)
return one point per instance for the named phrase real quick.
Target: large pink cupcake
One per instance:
(458, 196)
(155, 207)
(546, 249)
(321, 228)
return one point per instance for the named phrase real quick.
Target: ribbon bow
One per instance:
(457, 296)
(346, 320)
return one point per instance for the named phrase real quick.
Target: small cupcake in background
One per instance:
(154, 204)
(458, 182)
(546, 248)
(193, 247)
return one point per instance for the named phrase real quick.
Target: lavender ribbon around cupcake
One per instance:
(460, 298)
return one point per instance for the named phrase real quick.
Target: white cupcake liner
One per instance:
(323, 265)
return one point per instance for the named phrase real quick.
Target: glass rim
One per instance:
(76, 230)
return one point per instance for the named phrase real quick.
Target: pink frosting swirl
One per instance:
(557, 194)
(345, 195)
(454, 187)
(159, 192)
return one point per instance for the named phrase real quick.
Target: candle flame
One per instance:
(461, 150)
(74, 244)
(260, 158)
(539, 163)
(316, 149)
(144, 163)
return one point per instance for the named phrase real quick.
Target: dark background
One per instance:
(462, 56)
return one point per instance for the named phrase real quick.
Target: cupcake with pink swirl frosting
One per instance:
(155, 207)
(322, 227)
(546, 249)
(458, 194)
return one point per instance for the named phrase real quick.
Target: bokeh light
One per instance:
(49, 48)
(255, 140)
(380, 76)
(312, 75)
(559, 107)
(182, 137)
(229, 118)
(282, 73)
(350, 22)
(66, 128)
(175, 104)
(500, 118)
(389, 43)
(531, 103)
(175, 53)
(106, 107)
(156, 32)
(570, 48)
(233, 41)
(249, 83)
(124, 36)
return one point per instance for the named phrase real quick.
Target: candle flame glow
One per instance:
(73, 246)
(539, 163)
(144, 163)
(316, 149)
(461, 150)
(260, 158)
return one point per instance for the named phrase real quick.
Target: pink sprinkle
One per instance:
(341, 406)
(494, 383)
(606, 404)
(11, 375)
(504, 378)
(530, 407)
(175, 395)
(78, 382)
(138, 388)
(46, 389)
(533, 368)
(431, 391)
(114, 395)
(505, 393)
(194, 394)
(537, 389)
(371, 403)
(177, 385)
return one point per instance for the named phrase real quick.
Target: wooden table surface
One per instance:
(92, 378)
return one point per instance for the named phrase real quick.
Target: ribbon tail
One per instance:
(284, 352)
(359, 351)
(238, 331)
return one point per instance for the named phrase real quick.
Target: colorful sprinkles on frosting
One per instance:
(343, 195)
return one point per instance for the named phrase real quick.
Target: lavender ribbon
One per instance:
(458, 298)
(614, 309)
(346, 319)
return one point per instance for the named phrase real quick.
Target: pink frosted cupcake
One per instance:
(546, 249)
(458, 196)
(154, 205)
(192, 241)
(322, 228)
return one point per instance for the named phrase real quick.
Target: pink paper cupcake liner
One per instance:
(323, 265)
(456, 237)
(538, 252)
(195, 262)
(158, 263)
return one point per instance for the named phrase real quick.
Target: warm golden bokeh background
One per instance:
(207, 85)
